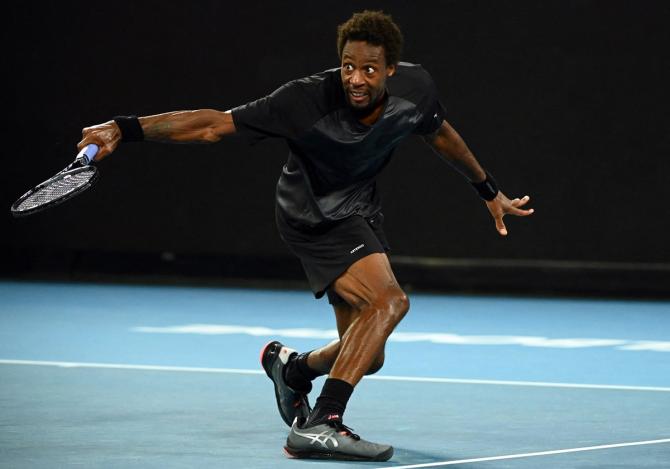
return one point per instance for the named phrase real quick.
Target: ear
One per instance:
(390, 70)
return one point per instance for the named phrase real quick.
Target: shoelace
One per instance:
(342, 429)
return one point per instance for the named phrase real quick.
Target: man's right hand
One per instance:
(107, 136)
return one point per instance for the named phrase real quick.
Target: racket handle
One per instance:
(87, 153)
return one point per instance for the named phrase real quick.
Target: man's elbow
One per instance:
(221, 126)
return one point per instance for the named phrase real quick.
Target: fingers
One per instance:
(521, 213)
(497, 212)
(501, 206)
(500, 226)
(84, 140)
(519, 202)
(103, 150)
(516, 203)
(87, 137)
(106, 136)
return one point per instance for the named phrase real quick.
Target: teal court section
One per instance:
(169, 377)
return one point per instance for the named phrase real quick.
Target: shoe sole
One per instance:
(293, 453)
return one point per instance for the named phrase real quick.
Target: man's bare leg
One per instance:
(378, 305)
(322, 359)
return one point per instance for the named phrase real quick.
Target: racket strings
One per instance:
(56, 189)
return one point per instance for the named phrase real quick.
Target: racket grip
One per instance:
(88, 153)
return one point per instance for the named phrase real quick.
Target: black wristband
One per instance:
(487, 189)
(131, 130)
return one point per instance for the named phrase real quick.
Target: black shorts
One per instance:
(328, 250)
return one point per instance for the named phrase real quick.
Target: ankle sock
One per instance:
(299, 375)
(332, 402)
(304, 369)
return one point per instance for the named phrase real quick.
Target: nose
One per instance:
(357, 78)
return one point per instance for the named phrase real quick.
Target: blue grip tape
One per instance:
(88, 152)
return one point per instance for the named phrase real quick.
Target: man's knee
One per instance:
(387, 309)
(400, 303)
(393, 301)
(376, 365)
(395, 305)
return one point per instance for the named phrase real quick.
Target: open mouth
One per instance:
(358, 96)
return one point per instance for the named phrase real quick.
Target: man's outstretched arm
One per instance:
(200, 126)
(450, 146)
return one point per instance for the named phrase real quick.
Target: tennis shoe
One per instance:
(291, 403)
(332, 440)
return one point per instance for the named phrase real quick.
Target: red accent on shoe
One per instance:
(287, 453)
(333, 417)
(260, 358)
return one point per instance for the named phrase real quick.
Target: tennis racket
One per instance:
(73, 180)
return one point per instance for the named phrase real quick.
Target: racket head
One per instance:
(56, 190)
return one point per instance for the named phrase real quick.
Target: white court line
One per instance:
(415, 379)
(443, 338)
(538, 384)
(532, 455)
(119, 366)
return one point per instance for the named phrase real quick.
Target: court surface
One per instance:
(168, 377)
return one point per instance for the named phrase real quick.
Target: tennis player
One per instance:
(342, 126)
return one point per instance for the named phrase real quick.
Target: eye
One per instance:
(347, 67)
(369, 70)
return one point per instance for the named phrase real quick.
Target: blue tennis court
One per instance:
(96, 375)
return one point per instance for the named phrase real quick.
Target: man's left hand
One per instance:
(501, 206)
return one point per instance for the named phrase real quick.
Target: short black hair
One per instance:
(374, 27)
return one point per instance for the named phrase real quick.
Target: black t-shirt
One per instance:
(333, 158)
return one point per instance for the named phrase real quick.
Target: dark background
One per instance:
(566, 101)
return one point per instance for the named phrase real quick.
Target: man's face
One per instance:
(364, 72)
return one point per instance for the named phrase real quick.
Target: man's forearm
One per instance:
(200, 126)
(450, 147)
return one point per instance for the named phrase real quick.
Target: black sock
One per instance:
(331, 403)
(299, 375)
(305, 370)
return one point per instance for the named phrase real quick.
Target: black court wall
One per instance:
(566, 101)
